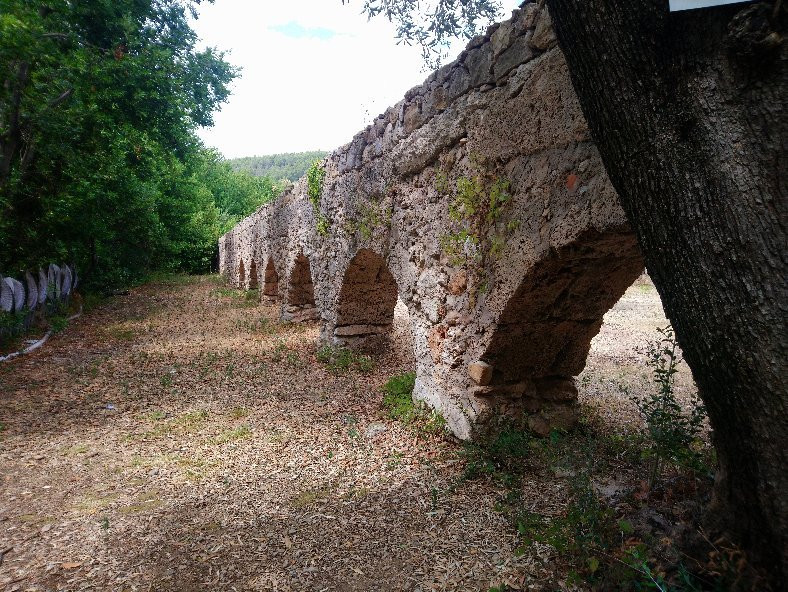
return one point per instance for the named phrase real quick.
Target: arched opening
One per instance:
(300, 293)
(543, 336)
(367, 298)
(241, 274)
(253, 275)
(270, 281)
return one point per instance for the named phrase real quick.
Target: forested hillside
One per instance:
(100, 166)
(291, 166)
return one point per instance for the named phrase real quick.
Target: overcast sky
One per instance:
(314, 73)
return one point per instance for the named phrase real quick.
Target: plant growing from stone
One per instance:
(372, 216)
(673, 433)
(314, 182)
(476, 209)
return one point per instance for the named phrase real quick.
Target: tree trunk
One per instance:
(689, 113)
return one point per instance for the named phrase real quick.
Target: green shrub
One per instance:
(58, 323)
(314, 181)
(398, 397)
(400, 406)
(12, 325)
(674, 435)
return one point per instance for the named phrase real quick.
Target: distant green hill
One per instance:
(292, 165)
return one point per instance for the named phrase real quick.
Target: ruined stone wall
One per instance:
(480, 200)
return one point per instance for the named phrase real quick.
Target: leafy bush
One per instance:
(674, 435)
(314, 181)
(12, 324)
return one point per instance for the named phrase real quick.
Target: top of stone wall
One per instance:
(487, 62)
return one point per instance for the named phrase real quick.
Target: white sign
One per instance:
(690, 4)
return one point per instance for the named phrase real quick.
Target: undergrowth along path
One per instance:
(181, 438)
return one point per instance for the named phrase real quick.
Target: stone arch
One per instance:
(300, 305)
(241, 274)
(367, 298)
(270, 280)
(543, 335)
(253, 281)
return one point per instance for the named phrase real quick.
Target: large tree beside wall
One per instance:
(689, 113)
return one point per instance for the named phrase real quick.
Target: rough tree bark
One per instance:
(689, 113)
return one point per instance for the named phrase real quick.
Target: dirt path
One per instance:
(181, 439)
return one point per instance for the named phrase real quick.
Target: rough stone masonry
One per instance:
(481, 202)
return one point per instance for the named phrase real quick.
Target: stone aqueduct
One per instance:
(481, 202)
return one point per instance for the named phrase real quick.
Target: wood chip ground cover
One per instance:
(180, 438)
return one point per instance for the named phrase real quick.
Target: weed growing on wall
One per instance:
(372, 216)
(477, 207)
(314, 181)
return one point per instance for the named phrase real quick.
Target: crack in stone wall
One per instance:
(505, 296)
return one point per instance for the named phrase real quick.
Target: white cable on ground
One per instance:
(33, 347)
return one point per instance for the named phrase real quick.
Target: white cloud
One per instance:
(303, 93)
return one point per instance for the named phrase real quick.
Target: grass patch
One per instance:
(120, 332)
(309, 497)
(502, 457)
(262, 325)
(227, 292)
(339, 360)
(92, 504)
(399, 405)
(193, 418)
(239, 433)
(145, 502)
(188, 422)
(77, 449)
(239, 412)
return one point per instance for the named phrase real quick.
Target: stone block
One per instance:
(360, 330)
(458, 282)
(502, 38)
(518, 53)
(544, 35)
(480, 372)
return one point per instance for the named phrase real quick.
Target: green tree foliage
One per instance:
(434, 24)
(291, 166)
(99, 162)
(236, 193)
